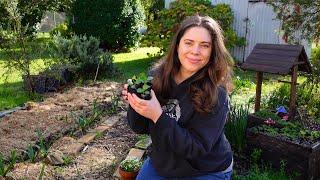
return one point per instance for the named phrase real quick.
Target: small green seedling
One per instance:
(131, 165)
(32, 153)
(141, 86)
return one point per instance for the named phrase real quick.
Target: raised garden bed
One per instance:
(300, 156)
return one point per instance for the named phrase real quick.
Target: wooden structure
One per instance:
(301, 158)
(278, 59)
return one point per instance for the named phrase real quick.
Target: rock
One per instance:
(55, 158)
(144, 143)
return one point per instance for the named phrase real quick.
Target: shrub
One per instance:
(307, 97)
(15, 43)
(83, 53)
(115, 23)
(61, 29)
(151, 9)
(161, 31)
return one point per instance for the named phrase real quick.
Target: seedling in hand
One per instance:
(141, 86)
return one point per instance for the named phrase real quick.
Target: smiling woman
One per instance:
(194, 52)
(189, 103)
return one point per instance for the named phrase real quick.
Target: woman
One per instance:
(188, 109)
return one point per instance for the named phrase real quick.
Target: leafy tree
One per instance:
(15, 43)
(162, 29)
(115, 23)
(298, 15)
(33, 11)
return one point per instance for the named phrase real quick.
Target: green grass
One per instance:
(12, 93)
(133, 63)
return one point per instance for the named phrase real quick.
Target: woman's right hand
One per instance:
(125, 93)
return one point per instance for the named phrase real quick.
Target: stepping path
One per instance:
(84, 158)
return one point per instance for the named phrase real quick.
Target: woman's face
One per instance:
(194, 50)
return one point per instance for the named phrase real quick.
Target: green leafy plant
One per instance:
(15, 44)
(115, 100)
(307, 97)
(61, 29)
(31, 153)
(290, 130)
(162, 29)
(235, 128)
(87, 119)
(5, 168)
(67, 160)
(141, 86)
(32, 12)
(84, 54)
(292, 13)
(115, 23)
(41, 173)
(266, 114)
(43, 149)
(96, 111)
(131, 165)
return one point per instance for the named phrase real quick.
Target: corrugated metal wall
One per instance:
(240, 12)
(262, 26)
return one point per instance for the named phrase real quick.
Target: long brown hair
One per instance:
(204, 88)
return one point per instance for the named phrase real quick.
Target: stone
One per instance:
(144, 143)
(86, 139)
(74, 148)
(135, 153)
(110, 121)
(55, 158)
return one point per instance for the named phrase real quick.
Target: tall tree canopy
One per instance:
(302, 16)
(32, 11)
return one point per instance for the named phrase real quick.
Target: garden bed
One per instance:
(51, 117)
(300, 156)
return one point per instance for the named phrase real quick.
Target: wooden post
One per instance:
(293, 92)
(258, 91)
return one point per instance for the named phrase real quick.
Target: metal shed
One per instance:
(277, 59)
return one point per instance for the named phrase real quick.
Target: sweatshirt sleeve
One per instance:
(196, 141)
(138, 123)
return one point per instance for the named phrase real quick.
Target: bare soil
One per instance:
(52, 117)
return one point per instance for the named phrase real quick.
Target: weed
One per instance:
(96, 111)
(115, 99)
(4, 169)
(67, 160)
(43, 150)
(99, 134)
(41, 174)
(32, 154)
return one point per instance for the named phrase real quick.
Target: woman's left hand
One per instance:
(148, 108)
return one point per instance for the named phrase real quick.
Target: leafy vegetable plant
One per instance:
(141, 86)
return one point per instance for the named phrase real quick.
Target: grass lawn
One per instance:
(12, 93)
(134, 62)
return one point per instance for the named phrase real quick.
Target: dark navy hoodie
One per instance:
(185, 142)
